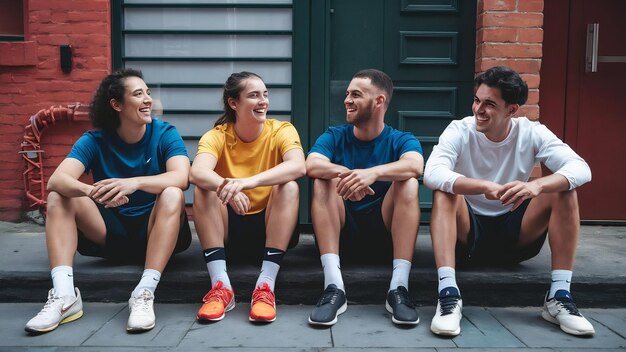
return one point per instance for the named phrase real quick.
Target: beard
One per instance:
(363, 115)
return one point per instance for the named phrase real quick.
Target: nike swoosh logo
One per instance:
(65, 309)
(147, 161)
(443, 278)
(211, 252)
(273, 253)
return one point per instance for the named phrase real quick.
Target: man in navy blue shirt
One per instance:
(365, 202)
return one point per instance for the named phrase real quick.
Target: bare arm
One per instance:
(319, 166)
(203, 172)
(291, 168)
(65, 181)
(410, 164)
(113, 189)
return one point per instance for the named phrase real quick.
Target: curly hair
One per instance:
(513, 89)
(232, 89)
(101, 113)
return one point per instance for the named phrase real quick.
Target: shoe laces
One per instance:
(568, 305)
(263, 294)
(50, 304)
(141, 302)
(401, 296)
(448, 304)
(217, 294)
(330, 296)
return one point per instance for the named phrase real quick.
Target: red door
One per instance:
(589, 106)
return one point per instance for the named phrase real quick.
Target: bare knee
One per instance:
(171, 200)
(444, 201)
(58, 203)
(323, 189)
(406, 191)
(569, 199)
(288, 191)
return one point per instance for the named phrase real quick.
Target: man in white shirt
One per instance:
(485, 209)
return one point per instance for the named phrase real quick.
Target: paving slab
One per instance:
(72, 334)
(371, 326)
(291, 329)
(173, 322)
(530, 328)
(480, 329)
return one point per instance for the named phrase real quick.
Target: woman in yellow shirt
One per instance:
(246, 196)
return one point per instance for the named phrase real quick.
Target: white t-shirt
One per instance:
(463, 151)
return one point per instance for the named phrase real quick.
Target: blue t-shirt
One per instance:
(106, 155)
(342, 148)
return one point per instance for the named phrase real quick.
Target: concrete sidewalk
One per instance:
(599, 277)
(362, 327)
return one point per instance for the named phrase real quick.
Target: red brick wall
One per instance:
(509, 33)
(31, 79)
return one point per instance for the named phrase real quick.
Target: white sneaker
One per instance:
(141, 312)
(562, 311)
(447, 319)
(57, 310)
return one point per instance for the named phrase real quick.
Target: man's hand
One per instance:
(357, 196)
(231, 186)
(517, 192)
(352, 182)
(113, 192)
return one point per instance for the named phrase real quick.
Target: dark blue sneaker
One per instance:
(400, 306)
(332, 303)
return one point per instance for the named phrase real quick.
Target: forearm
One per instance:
(68, 186)
(552, 183)
(157, 183)
(323, 169)
(284, 172)
(400, 170)
(472, 186)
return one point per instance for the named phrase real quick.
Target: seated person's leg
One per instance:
(449, 224)
(63, 216)
(163, 231)
(281, 216)
(400, 214)
(328, 215)
(211, 223)
(558, 214)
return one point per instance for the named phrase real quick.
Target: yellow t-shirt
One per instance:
(238, 159)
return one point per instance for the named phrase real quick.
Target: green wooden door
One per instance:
(426, 47)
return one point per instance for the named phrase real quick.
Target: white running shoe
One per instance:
(56, 311)
(141, 312)
(447, 319)
(562, 311)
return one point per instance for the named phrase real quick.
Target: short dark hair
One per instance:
(232, 89)
(101, 113)
(379, 79)
(513, 89)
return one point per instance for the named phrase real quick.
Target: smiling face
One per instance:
(360, 99)
(492, 113)
(137, 104)
(253, 102)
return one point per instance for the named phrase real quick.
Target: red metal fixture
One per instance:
(34, 182)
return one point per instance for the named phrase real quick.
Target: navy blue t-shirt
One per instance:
(106, 155)
(342, 148)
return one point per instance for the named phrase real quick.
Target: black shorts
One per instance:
(127, 237)
(494, 239)
(364, 237)
(246, 237)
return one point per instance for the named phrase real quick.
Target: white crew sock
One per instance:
(149, 280)
(217, 272)
(561, 280)
(447, 278)
(63, 281)
(400, 275)
(269, 271)
(332, 270)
